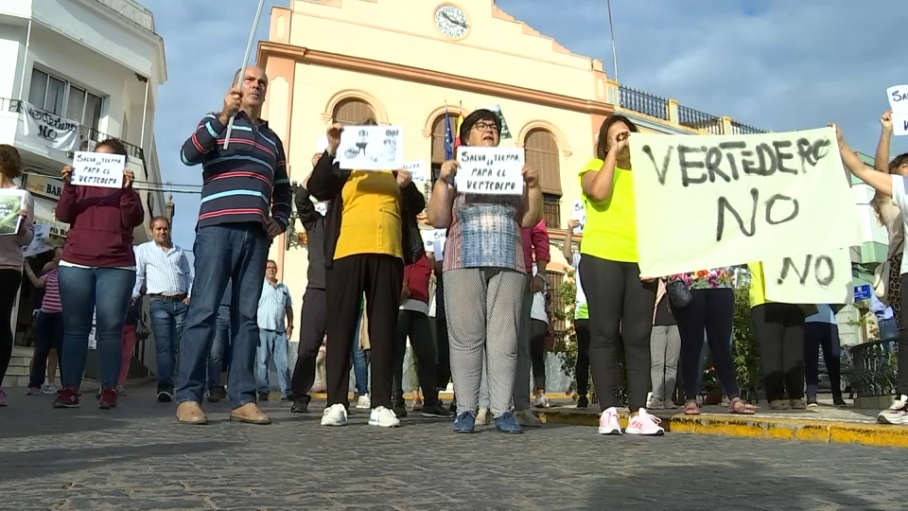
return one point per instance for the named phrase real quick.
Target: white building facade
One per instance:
(74, 73)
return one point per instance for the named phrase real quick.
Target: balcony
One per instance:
(48, 141)
(644, 103)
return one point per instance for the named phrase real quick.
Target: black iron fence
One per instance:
(699, 120)
(643, 102)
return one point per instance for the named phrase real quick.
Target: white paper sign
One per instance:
(438, 247)
(898, 98)
(12, 200)
(98, 169)
(579, 214)
(40, 243)
(321, 144)
(490, 170)
(899, 123)
(371, 148)
(818, 277)
(710, 201)
(417, 170)
(430, 236)
(321, 208)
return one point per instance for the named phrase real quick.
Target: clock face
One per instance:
(451, 21)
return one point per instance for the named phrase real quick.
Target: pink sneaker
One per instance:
(644, 424)
(3, 401)
(609, 424)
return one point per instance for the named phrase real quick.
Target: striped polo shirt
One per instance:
(248, 181)
(51, 303)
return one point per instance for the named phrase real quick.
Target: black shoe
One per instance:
(300, 406)
(436, 411)
(263, 396)
(216, 394)
(165, 394)
(399, 409)
(839, 402)
(583, 402)
(453, 406)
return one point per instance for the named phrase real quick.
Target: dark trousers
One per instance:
(582, 367)
(10, 280)
(312, 333)
(902, 384)
(380, 277)
(443, 347)
(538, 329)
(825, 335)
(779, 330)
(621, 314)
(710, 310)
(48, 336)
(415, 325)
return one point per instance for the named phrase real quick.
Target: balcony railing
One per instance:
(644, 103)
(699, 120)
(738, 128)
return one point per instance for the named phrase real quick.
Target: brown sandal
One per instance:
(739, 406)
(691, 408)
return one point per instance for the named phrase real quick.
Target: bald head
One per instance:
(254, 84)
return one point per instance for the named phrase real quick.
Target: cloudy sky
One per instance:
(775, 64)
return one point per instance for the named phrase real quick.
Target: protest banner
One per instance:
(490, 170)
(898, 98)
(709, 201)
(371, 148)
(821, 276)
(41, 242)
(417, 170)
(98, 169)
(579, 214)
(430, 236)
(12, 200)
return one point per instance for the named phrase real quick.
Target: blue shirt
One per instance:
(824, 314)
(246, 180)
(273, 305)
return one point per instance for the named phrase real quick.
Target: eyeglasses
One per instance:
(486, 126)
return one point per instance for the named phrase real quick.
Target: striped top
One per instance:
(485, 233)
(245, 181)
(51, 303)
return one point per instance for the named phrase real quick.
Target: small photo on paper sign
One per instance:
(490, 170)
(98, 169)
(371, 148)
(12, 200)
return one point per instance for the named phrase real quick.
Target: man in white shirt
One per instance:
(164, 270)
(275, 319)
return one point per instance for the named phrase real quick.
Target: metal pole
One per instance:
(28, 40)
(239, 80)
(611, 30)
(144, 113)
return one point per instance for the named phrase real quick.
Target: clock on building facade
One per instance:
(451, 21)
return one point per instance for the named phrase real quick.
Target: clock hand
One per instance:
(461, 24)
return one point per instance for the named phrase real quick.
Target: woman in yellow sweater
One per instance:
(368, 239)
(619, 300)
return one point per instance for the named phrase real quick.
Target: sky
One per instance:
(778, 65)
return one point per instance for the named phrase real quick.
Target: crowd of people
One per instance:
(475, 310)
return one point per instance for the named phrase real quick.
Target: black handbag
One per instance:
(142, 331)
(678, 294)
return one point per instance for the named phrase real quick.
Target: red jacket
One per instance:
(535, 244)
(101, 221)
(416, 278)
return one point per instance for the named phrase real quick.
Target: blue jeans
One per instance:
(360, 362)
(82, 291)
(273, 346)
(219, 357)
(223, 252)
(167, 320)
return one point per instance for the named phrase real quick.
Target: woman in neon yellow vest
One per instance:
(620, 302)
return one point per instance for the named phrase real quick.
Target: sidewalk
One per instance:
(826, 424)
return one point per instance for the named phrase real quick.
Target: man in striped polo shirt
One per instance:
(245, 204)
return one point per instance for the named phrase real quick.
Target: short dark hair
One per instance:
(115, 145)
(478, 115)
(270, 261)
(602, 140)
(10, 161)
(896, 162)
(160, 218)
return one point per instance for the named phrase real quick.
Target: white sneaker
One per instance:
(384, 418)
(482, 418)
(609, 423)
(364, 403)
(335, 415)
(48, 388)
(897, 413)
(644, 424)
(541, 401)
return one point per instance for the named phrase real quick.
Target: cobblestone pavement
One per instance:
(138, 458)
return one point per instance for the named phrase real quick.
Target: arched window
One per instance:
(353, 111)
(542, 153)
(438, 144)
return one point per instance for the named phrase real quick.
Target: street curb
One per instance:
(830, 432)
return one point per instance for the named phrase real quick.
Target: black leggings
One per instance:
(582, 368)
(710, 310)
(823, 335)
(902, 384)
(621, 311)
(10, 280)
(779, 330)
(538, 329)
(415, 325)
